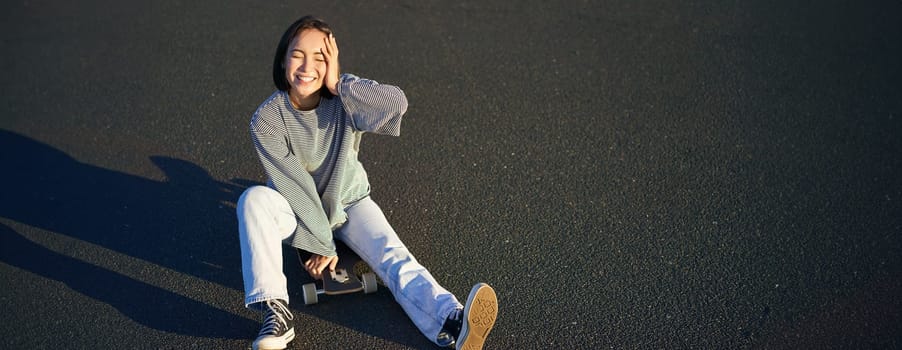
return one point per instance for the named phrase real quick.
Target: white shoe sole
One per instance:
(274, 343)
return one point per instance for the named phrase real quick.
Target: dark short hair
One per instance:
(278, 71)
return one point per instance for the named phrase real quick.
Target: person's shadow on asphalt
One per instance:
(183, 223)
(186, 223)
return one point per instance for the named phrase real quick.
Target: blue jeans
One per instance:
(266, 223)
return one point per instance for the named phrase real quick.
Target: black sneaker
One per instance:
(451, 329)
(468, 328)
(277, 331)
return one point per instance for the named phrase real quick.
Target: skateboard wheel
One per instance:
(310, 296)
(369, 283)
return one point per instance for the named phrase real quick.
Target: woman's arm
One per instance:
(290, 178)
(372, 107)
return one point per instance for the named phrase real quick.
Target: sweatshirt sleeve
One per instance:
(372, 107)
(289, 177)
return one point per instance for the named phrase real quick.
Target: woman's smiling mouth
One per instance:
(304, 79)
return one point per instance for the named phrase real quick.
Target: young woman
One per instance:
(307, 135)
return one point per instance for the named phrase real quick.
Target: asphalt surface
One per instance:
(626, 174)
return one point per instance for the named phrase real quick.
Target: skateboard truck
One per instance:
(346, 278)
(340, 282)
(339, 275)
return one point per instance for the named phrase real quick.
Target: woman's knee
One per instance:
(254, 196)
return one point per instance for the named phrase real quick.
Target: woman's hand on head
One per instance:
(330, 54)
(317, 264)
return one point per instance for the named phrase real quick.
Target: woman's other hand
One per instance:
(318, 263)
(330, 54)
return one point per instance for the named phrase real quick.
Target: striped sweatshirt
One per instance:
(310, 157)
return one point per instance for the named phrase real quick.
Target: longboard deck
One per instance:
(341, 281)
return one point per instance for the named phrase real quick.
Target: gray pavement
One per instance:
(626, 174)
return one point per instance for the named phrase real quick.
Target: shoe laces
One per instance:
(276, 318)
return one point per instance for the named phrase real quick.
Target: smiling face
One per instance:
(305, 68)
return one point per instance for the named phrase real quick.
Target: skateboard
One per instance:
(351, 275)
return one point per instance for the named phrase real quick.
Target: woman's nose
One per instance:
(304, 64)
